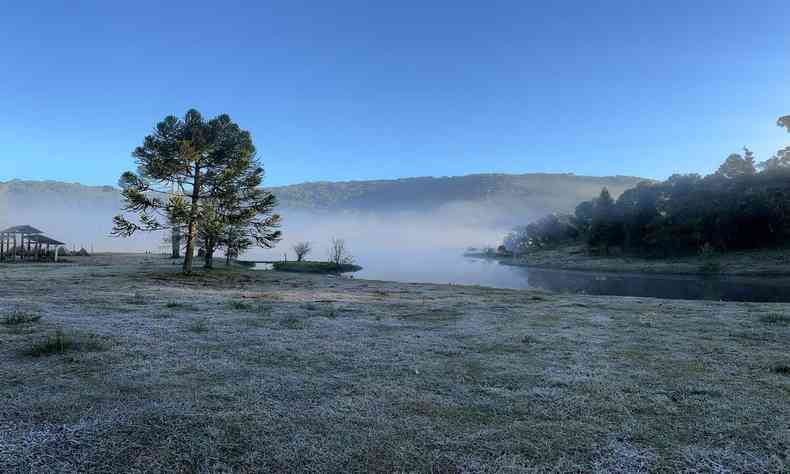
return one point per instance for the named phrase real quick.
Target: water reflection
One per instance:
(450, 266)
(661, 286)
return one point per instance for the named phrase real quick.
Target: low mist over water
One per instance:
(409, 247)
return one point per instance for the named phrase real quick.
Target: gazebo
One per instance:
(28, 236)
(43, 240)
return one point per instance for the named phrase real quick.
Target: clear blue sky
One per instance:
(360, 89)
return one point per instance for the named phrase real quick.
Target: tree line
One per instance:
(199, 179)
(743, 205)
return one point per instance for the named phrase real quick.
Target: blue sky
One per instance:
(359, 90)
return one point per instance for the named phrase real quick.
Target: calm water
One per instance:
(457, 269)
(452, 267)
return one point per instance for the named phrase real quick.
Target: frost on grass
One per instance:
(265, 372)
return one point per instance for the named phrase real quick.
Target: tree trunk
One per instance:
(209, 256)
(175, 237)
(192, 224)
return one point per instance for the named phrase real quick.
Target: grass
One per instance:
(710, 267)
(776, 318)
(782, 369)
(138, 299)
(60, 342)
(433, 379)
(293, 322)
(18, 317)
(199, 326)
(178, 305)
(240, 305)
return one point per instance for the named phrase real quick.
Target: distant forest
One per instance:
(743, 205)
(546, 191)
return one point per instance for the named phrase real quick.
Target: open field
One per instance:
(118, 364)
(766, 262)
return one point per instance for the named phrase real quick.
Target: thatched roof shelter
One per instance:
(21, 229)
(44, 240)
(35, 239)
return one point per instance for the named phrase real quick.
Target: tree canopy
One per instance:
(202, 175)
(740, 206)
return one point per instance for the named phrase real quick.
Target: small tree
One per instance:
(301, 249)
(338, 253)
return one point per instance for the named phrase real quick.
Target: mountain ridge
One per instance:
(555, 191)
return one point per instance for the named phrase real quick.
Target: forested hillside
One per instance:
(555, 192)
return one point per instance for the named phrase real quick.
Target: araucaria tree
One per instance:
(204, 176)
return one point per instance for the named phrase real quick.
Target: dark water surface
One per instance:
(689, 287)
(454, 268)
(450, 266)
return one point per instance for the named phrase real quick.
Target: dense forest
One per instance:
(743, 205)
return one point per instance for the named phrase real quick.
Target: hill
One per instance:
(82, 215)
(497, 199)
(554, 192)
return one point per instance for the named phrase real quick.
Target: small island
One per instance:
(315, 267)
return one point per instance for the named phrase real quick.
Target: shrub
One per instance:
(60, 342)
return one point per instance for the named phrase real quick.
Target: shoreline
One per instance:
(773, 263)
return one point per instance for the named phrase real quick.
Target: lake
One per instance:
(453, 267)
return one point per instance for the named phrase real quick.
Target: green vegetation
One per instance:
(735, 208)
(315, 267)
(201, 177)
(199, 325)
(240, 305)
(17, 317)
(60, 342)
(776, 318)
(782, 369)
(405, 378)
(555, 191)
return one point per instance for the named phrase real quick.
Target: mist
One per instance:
(77, 226)
(405, 246)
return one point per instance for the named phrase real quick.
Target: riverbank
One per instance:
(135, 368)
(773, 262)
